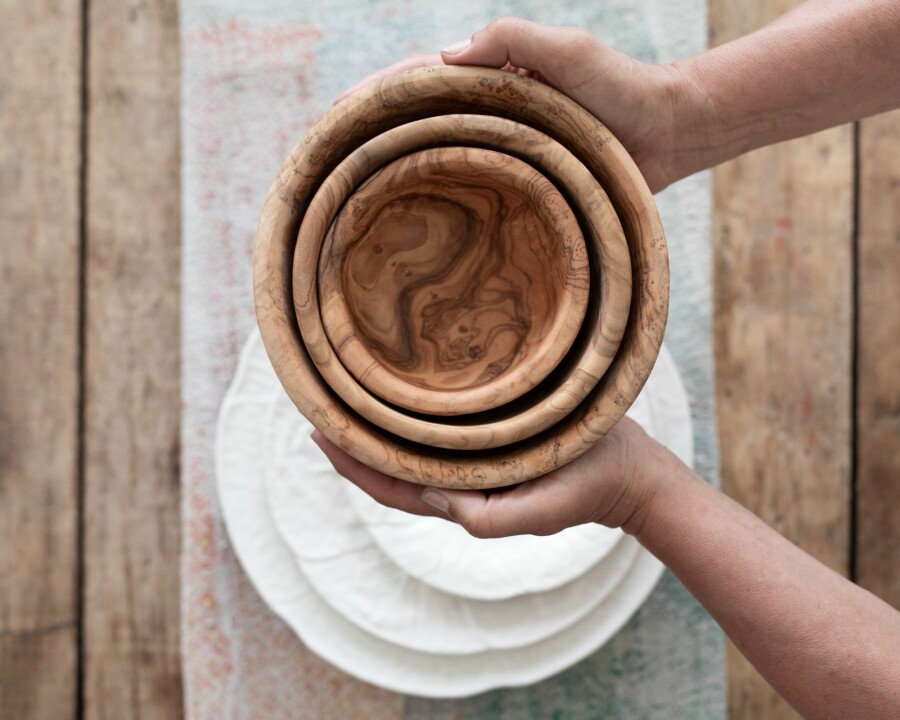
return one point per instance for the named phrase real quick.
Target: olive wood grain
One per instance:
(606, 319)
(433, 91)
(453, 280)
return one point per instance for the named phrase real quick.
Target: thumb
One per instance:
(559, 55)
(543, 506)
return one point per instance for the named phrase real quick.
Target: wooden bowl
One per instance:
(453, 280)
(606, 317)
(400, 99)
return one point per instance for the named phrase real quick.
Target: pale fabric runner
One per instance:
(256, 75)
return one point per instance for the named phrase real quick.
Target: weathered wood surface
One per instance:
(40, 125)
(878, 359)
(131, 661)
(783, 294)
(453, 269)
(131, 553)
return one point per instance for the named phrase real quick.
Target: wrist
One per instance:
(694, 141)
(665, 491)
(642, 474)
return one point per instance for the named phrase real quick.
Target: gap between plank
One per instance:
(82, 365)
(853, 565)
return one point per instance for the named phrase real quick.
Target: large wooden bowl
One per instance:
(453, 280)
(403, 98)
(601, 332)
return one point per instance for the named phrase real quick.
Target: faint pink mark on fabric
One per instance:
(225, 66)
(250, 93)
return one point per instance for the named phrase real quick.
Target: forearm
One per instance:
(825, 63)
(829, 647)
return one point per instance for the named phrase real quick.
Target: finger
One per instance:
(409, 63)
(385, 489)
(543, 506)
(558, 54)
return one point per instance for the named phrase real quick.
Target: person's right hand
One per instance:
(654, 110)
(614, 483)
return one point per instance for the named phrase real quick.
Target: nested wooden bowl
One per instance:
(601, 332)
(453, 280)
(397, 101)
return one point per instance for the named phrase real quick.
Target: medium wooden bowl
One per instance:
(401, 99)
(453, 280)
(602, 330)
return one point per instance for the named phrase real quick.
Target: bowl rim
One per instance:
(547, 342)
(607, 321)
(441, 90)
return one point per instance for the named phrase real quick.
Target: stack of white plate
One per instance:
(415, 604)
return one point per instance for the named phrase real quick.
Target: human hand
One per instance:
(656, 111)
(612, 484)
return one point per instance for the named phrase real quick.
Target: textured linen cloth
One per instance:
(256, 76)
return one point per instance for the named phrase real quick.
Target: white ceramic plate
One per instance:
(446, 557)
(271, 567)
(337, 555)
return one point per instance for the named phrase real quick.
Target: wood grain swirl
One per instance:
(452, 269)
(423, 93)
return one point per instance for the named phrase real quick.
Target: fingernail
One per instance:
(316, 437)
(437, 500)
(457, 48)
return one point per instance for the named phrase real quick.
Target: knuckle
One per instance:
(546, 530)
(477, 531)
(506, 26)
(478, 527)
(341, 466)
(580, 41)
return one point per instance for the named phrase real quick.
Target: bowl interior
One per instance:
(608, 261)
(283, 307)
(453, 268)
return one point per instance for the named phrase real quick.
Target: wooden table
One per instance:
(807, 261)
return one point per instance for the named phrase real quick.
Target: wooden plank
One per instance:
(783, 299)
(40, 129)
(878, 359)
(132, 410)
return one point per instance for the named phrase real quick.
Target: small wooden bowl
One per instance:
(401, 99)
(603, 327)
(453, 280)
